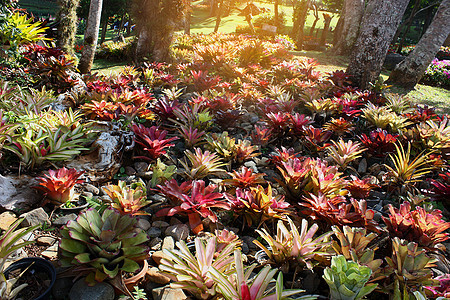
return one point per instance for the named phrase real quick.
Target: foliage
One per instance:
(58, 185)
(152, 140)
(347, 279)
(202, 164)
(360, 188)
(103, 246)
(191, 272)
(128, 199)
(438, 73)
(294, 246)
(193, 199)
(244, 178)
(425, 228)
(379, 142)
(440, 190)
(344, 153)
(239, 285)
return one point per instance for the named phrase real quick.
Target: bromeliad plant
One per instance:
(153, 141)
(193, 199)
(191, 273)
(293, 248)
(379, 142)
(344, 153)
(239, 285)
(128, 199)
(347, 279)
(58, 185)
(103, 246)
(202, 164)
(425, 228)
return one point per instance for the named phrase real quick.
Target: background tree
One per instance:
(408, 72)
(67, 24)
(378, 26)
(91, 36)
(155, 23)
(353, 12)
(300, 13)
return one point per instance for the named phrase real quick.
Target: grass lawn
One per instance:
(40, 7)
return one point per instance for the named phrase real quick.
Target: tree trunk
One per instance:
(378, 26)
(213, 8)
(337, 33)
(316, 18)
(104, 29)
(219, 16)
(275, 11)
(187, 21)
(354, 11)
(408, 73)
(129, 26)
(91, 36)
(302, 14)
(447, 42)
(407, 25)
(428, 18)
(326, 27)
(67, 27)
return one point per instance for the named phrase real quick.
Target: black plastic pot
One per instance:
(39, 265)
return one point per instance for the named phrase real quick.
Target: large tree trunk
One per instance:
(408, 73)
(91, 36)
(447, 42)
(354, 11)
(378, 26)
(218, 16)
(187, 20)
(67, 27)
(104, 29)
(275, 11)
(316, 18)
(302, 14)
(326, 27)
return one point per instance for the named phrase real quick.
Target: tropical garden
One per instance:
(170, 149)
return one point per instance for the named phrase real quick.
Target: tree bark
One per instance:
(302, 14)
(91, 36)
(326, 27)
(187, 20)
(354, 11)
(316, 18)
(409, 72)
(447, 42)
(276, 16)
(218, 16)
(337, 32)
(104, 29)
(67, 27)
(378, 26)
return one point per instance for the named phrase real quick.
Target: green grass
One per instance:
(40, 7)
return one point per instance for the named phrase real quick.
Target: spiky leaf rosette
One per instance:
(102, 245)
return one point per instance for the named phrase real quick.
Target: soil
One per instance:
(38, 283)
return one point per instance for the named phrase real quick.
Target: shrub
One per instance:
(438, 74)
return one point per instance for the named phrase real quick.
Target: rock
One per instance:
(130, 171)
(141, 167)
(64, 219)
(391, 60)
(158, 256)
(252, 165)
(154, 232)
(262, 162)
(362, 167)
(174, 221)
(168, 293)
(87, 195)
(6, 219)
(45, 240)
(160, 224)
(155, 275)
(16, 193)
(92, 189)
(249, 241)
(102, 164)
(61, 288)
(100, 291)
(155, 244)
(51, 252)
(37, 216)
(178, 231)
(143, 224)
(168, 243)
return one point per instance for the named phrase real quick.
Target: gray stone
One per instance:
(16, 193)
(168, 243)
(154, 232)
(45, 240)
(100, 291)
(141, 167)
(64, 219)
(88, 195)
(362, 167)
(249, 241)
(143, 224)
(51, 252)
(155, 244)
(160, 224)
(392, 59)
(92, 189)
(6, 219)
(61, 288)
(37, 216)
(168, 293)
(252, 165)
(178, 231)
